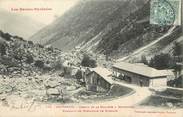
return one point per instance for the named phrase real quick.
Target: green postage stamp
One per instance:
(165, 12)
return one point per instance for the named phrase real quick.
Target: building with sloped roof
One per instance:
(99, 79)
(141, 74)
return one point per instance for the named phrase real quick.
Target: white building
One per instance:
(141, 75)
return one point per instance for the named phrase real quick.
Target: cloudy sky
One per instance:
(58, 8)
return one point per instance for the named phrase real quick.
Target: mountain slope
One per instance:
(85, 21)
(23, 56)
(163, 44)
(116, 28)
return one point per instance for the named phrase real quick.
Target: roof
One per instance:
(141, 70)
(104, 73)
(169, 72)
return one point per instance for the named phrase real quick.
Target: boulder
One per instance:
(3, 97)
(169, 104)
(61, 74)
(52, 84)
(71, 88)
(5, 89)
(53, 91)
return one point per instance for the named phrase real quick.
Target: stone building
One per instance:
(99, 80)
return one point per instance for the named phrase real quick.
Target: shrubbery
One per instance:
(88, 62)
(161, 61)
(2, 49)
(144, 60)
(30, 42)
(79, 75)
(39, 64)
(166, 61)
(6, 36)
(29, 59)
(177, 49)
(58, 65)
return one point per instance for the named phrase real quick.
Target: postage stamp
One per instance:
(165, 12)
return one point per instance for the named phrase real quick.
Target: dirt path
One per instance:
(140, 94)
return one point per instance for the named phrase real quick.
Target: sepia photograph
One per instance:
(86, 58)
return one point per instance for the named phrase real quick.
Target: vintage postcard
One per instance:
(87, 58)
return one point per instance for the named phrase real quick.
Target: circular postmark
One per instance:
(162, 13)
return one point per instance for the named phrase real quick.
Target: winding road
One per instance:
(140, 94)
(125, 106)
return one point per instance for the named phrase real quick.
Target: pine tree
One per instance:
(177, 49)
(144, 60)
(88, 62)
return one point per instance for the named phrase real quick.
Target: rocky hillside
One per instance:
(18, 56)
(116, 28)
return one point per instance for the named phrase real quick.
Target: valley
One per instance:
(98, 52)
